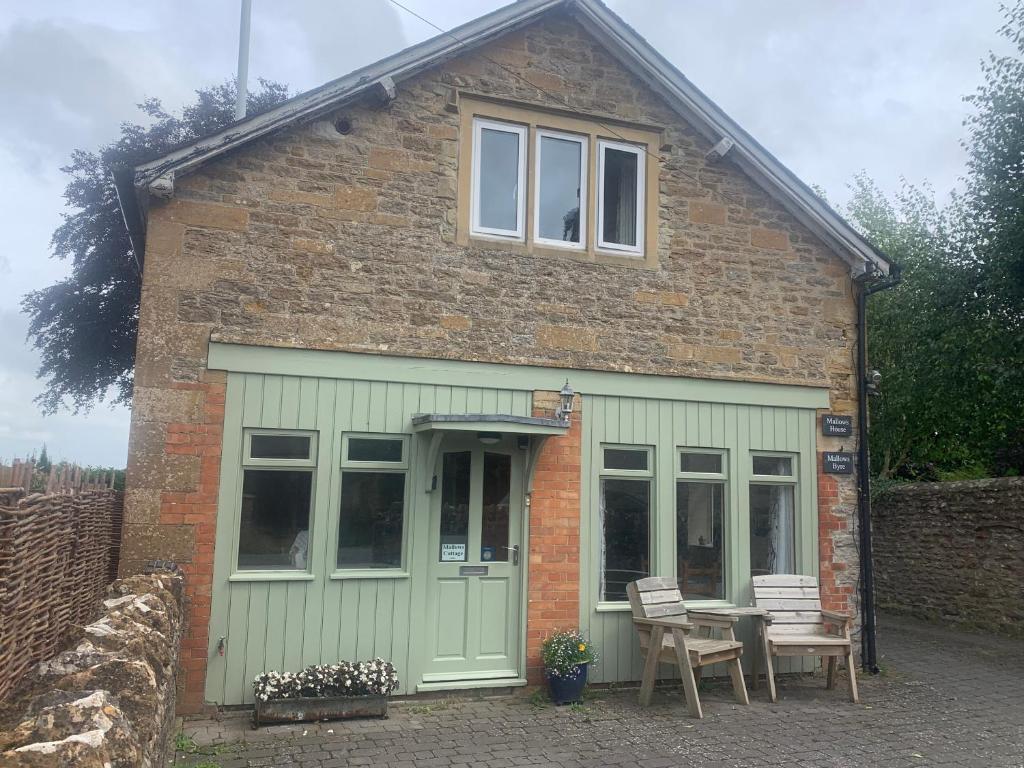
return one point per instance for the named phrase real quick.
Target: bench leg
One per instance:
(686, 672)
(738, 686)
(769, 671)
(755, 659)
(831, 678)
(851, 670)
(651, 665)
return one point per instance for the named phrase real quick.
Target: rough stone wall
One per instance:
(315, 239)
(109, 702)
(553, 555)
(953, 552)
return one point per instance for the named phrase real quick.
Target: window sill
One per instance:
(369, 573)
(613, 608)
(542, 250)
(243, 576)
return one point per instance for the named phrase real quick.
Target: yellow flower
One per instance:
(583, 647)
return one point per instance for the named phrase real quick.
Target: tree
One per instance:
(85, 325)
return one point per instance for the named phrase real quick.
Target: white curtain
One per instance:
(782, 558)
(626, 215)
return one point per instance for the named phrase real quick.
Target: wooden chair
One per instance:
(796, 625)
(664, 626)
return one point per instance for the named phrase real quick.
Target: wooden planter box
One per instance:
(313, 709)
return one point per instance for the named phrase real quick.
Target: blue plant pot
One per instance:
(568, 690)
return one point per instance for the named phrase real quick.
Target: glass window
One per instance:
(704, 463)
(773, 465)
(495, 515)
(455, 479)
(561, 186)
(269, 446)
(498, 178)
(372, 516)
(699, 545)
(620, 204)
(274, 532)
(625, 458)
(772, 529)
(375, 449)
(625, 527)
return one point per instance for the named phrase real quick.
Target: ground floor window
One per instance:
(625, 519)
(772, 515)
(700, 514)
(277, 492)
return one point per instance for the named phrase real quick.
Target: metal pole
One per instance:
(243, 60)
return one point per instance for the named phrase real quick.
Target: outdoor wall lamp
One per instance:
(874, 383)
(489, 438)
(564, 411)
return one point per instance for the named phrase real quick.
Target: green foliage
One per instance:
(564, 651)
(84, 326)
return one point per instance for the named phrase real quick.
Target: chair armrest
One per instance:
(768, 618)
(668, 623)
(712, 619)
(836, 616)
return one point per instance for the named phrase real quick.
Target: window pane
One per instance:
(625, 520)
(699, 539)
(275, 519)
(773, 465)
(499, 179)
(279, 446)
(497, 496)
(372, 515)
(625, 458)
(371, 449)
(772, 529)
(455, 506)
(559, 189)
(701, 462)
(620, 202)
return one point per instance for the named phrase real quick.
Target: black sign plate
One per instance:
(473, 570)
(836, 426)
(838, 463)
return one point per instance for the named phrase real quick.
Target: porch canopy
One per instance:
(537, 429)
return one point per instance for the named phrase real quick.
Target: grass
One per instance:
(184, 743)
(434, 706)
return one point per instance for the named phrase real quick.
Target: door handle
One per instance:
(515, 553)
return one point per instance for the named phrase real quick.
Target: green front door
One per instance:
(476, 562)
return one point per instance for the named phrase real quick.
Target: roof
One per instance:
(635, 53)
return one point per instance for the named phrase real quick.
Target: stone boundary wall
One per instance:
(953, 552)
(58, 554)
(109, 701)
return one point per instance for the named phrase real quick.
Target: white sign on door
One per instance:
(453, 553)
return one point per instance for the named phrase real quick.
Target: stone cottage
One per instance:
(436, 358)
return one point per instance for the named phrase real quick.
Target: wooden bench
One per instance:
(664, 626)
(796, 625)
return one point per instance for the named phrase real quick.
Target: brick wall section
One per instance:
(313, 239)
(554, 548)
(837, 593)
(953, 552)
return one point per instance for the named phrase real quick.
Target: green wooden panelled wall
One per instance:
(667, 425)
(287, 620)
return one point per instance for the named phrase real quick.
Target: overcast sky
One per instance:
(830, 86)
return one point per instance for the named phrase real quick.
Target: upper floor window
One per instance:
(537, 181)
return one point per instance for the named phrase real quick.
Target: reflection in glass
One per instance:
(374, 449)
(625, 458)
(561, 163)
(699, 539)
(274, 529)
(279, 446)
(455, 506)
(499, 179)
(772, 529)
(708, 463)
(773, 465)
(620, 197)
(495, 517)
(625, 523)
(371, 519)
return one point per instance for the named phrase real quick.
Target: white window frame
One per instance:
(479, 124)
(641, 185)
(584, 142)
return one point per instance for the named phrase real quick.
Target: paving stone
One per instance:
(944, 698)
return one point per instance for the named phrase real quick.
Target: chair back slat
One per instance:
(794, 602)
(655, 597)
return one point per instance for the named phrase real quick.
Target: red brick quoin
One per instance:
(832, 523)
(197, 508)
(554, 546)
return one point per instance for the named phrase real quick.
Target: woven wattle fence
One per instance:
(58, 553)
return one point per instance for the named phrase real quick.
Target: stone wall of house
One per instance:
(953, 552)
(109, 701)
(311, 238)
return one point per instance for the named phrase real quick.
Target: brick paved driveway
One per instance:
(944, 698)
